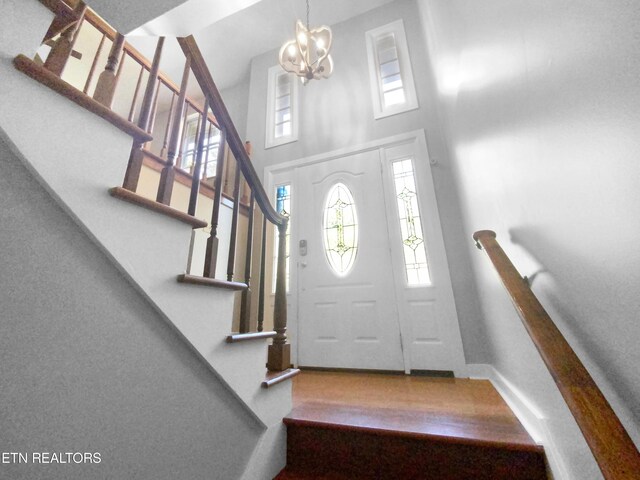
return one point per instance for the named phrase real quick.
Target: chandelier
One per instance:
(307, 55)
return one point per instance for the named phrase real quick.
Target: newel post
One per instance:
(280, 351)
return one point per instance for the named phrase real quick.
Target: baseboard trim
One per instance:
(531, 418)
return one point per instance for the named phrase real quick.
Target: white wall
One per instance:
(88, 365)
(338, 113)
(539, 103)
(126, 16)
(236, 99)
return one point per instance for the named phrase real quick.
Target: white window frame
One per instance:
(270, 138)
(406, 73)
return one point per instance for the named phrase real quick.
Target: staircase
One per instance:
(78, 153)
(366, 426)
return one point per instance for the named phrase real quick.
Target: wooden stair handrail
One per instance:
(613, 449)
(203, 76)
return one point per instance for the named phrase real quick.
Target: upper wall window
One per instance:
(282, 108)
(392, 87)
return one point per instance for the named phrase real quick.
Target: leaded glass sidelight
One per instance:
(340, 229)
(413, 246)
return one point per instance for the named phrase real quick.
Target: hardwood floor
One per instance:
(366, 426)
(445, 407)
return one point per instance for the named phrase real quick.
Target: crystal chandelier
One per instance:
(307, 55)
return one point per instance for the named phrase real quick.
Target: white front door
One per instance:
(384, 302)
(347, 312)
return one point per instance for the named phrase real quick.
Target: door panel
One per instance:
(372, 317)
(427, 312)
(350, 320)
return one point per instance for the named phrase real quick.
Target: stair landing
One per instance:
(359, 425)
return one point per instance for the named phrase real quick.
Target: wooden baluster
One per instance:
(210, 123)
(134, 102)
(245, 306)
(154, 112)
(279, 357)
(106, 86)
(234, 224)
(136, 158)
(263, 265)
(148, 99)
(226, 188)
(59, 54)
(121, 64)
(211, 256)
(94, 64)
(195, 181)
(183, 134)
(165, 143)
(168, 172)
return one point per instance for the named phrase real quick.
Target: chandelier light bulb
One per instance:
(307, 55)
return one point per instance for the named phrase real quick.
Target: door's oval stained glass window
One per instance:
(340, 229)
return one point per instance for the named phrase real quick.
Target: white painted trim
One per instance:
(347, 151)
(532, 419)
(274, 174)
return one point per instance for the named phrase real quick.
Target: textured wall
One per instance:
(87, 364)
(539, 102)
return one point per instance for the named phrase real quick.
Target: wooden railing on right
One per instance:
(613, 449)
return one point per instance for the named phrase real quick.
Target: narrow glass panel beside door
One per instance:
(415, 253)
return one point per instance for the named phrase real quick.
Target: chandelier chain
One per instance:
(308, 14)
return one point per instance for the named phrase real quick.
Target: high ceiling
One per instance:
(230, 43)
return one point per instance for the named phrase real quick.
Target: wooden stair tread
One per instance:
(131, 197)
(274, 378)
(211, 282)
(243, 337)
(412, 424)
(374, 426)
(290, 474)
(321, 453)
(45, 77)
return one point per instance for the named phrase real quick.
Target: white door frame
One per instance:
(285, 172)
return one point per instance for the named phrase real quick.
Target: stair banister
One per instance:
(279, 352)
(613, 449)
(236, 145)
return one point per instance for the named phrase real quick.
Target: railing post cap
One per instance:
(484, 233)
